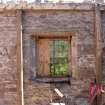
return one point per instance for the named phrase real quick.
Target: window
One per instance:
(59, 57)
(55, 56)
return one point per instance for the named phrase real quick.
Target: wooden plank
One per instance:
(52, 37)
(44, 57)
(52, 34)
(19, 59)
(98, 32)
(53, 79)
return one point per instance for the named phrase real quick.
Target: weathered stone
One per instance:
(56, 21)
(80, 22)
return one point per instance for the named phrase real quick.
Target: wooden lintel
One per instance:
(53, 37)
(53, 34)
(19, 56)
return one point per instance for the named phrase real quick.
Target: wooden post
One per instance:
(19, 52)
(98, 32)
(98, 46)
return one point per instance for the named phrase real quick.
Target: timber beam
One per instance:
(53, 34)
(19, 58)
(98, 35)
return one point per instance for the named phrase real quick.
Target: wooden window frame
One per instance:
(54, 35)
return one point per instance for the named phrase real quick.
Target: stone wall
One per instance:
(58, 21)
(80, 22)
(8, 87)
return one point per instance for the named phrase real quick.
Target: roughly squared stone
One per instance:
(81, 101)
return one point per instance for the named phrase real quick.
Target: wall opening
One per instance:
(59, 57)
(53, 57)
(56, 56)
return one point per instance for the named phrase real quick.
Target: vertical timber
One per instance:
(98, 32)
(19, 52)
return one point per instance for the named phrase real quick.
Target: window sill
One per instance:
(53, 79)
